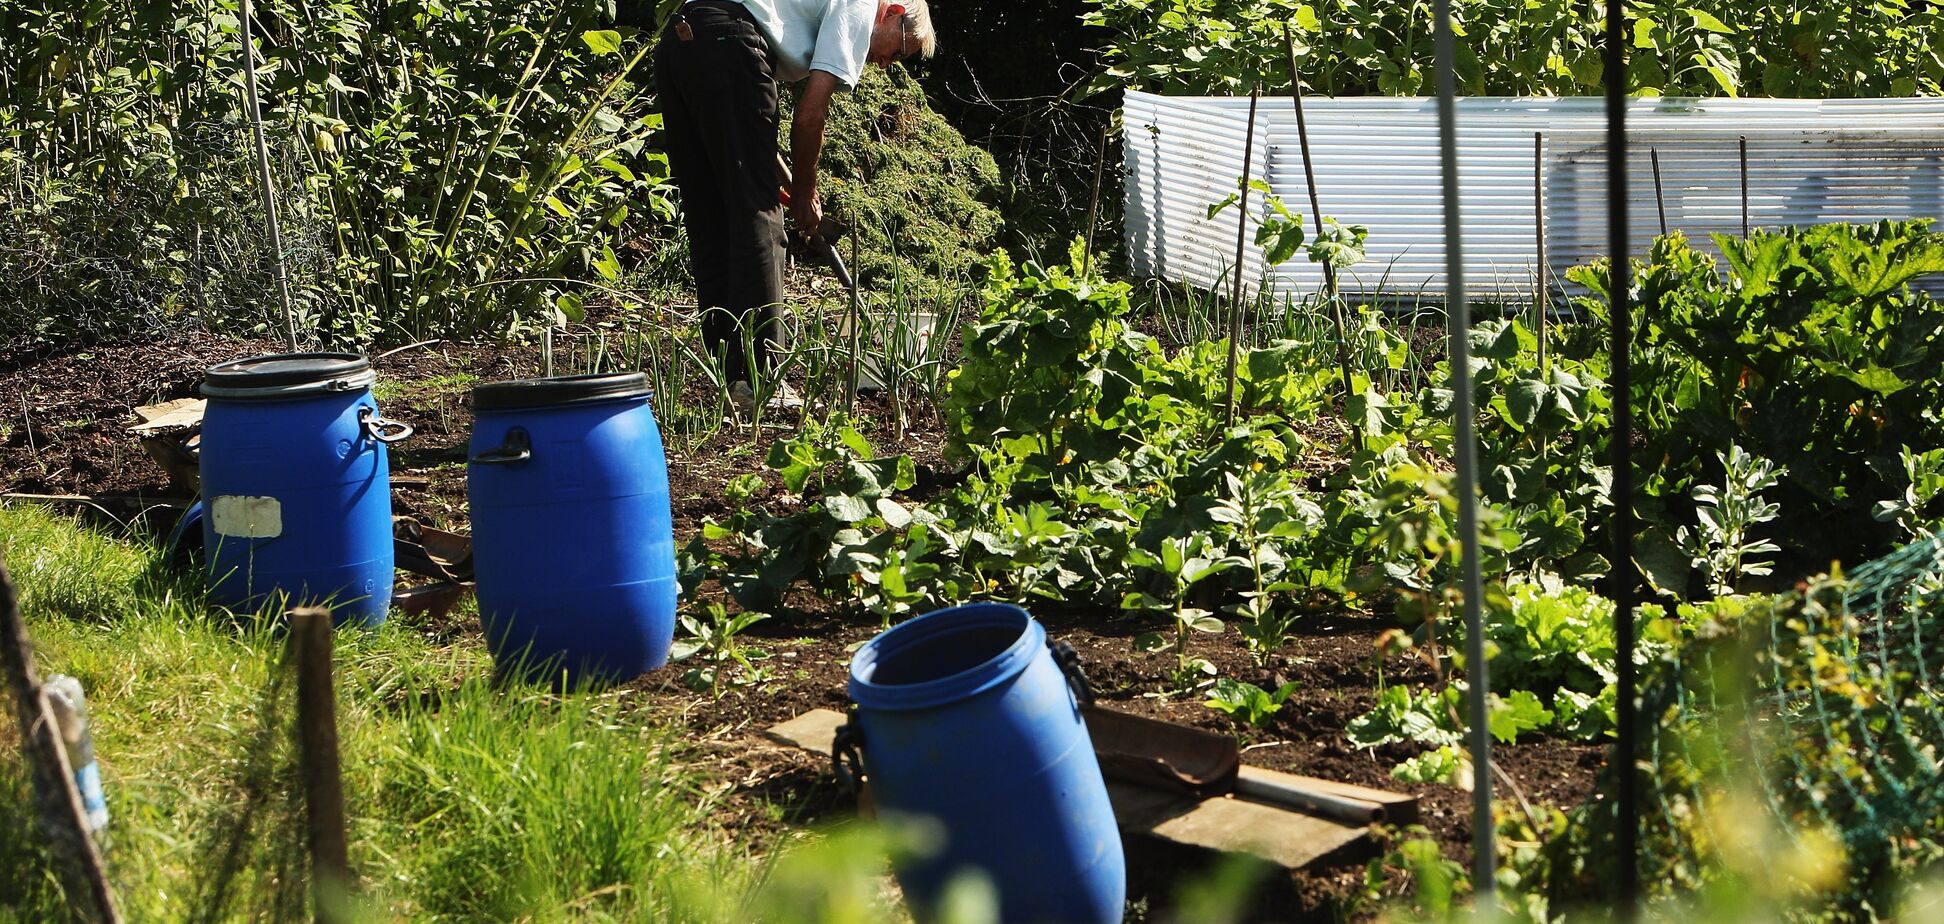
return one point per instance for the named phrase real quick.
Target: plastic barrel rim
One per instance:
(527, 394)
(971, 648)
(288, 375)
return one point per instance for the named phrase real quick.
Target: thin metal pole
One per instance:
(1627, 799)
(1743, 145)
(263, 173)
(1484, 861)
(1093, 202)
(1241, 240)
(1542, 299)
(1316, 212)
(1660, 202)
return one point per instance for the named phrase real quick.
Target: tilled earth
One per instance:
(62, 432)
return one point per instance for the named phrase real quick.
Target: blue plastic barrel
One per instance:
(573, 549)
(297, 486)
(965, 718)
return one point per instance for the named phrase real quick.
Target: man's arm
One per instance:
(806, 145)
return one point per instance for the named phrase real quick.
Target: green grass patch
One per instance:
(466, 801)
(415, 391)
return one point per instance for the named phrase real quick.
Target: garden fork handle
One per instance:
(822, 242)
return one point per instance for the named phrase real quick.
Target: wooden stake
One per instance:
(856, 322)
(311, 648)
(1660, 201)
(1743, 145)
(1093, 203)
(1316, 212)
(62, 815)
(263, 172)
(1241, 240)
(1542, 300)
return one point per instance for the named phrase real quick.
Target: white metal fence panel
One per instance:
(1376, 159)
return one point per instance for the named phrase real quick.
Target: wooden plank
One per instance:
(182, 412)
(811, 731)
(1288, 839)
(1292, 840)
(62, 814)
(1399, 808)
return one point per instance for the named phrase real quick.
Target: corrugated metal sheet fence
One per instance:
(1810, 162)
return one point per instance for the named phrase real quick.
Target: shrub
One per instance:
(1525, 47)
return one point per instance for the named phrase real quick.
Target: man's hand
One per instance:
(806, 144)
(807, 212)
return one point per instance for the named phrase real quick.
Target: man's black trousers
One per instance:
(719, 102)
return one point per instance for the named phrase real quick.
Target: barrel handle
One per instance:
(1076, 678)
(845, 758)
(517, 448)
(382, 428)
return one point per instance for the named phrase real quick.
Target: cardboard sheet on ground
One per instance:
(1288, 838)
(181, 413)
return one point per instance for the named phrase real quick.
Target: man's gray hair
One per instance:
(918, 15)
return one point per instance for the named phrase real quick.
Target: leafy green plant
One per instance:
(1266, 512)
(1447, 765)
(1543, 449)
(1049, 348)
(1916, 511)
(714, 640)
(1279, 232)
(1182, 564)
(1412, 879)
(1723, 545)
(1432, 717)
(1810, 350)
(1338, 245)
(1096, 470)
(1246, 701)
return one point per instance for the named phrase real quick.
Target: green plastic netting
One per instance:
(1794, 740)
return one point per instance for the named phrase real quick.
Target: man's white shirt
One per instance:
(833, 36)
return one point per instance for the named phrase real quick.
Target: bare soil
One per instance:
(62, 422)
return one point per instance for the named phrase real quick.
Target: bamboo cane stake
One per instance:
(1316, 213)
(1542, 299)
(263, 173)
(1093, 202)
(1241, 240)
(1660, 201)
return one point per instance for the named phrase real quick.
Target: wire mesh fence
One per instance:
(1795, 739)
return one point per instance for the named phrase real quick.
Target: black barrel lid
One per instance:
(566, 389)
(283, 375)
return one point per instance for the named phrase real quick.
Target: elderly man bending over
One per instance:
(716, 71)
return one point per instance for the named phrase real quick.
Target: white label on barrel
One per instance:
(246, 517)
